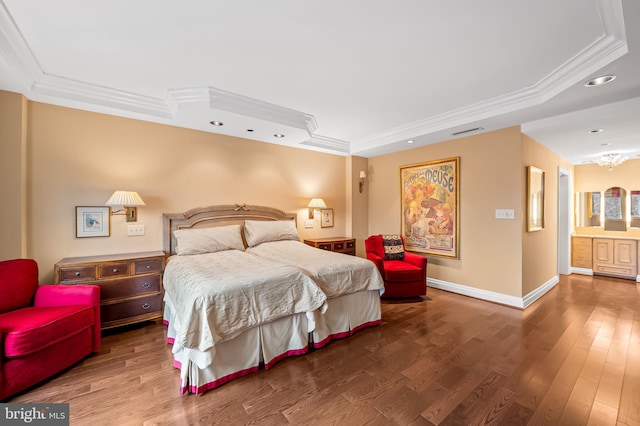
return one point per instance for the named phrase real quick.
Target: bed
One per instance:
(352, 284)
(214, 342)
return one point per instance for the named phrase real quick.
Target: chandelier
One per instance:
(611, 160)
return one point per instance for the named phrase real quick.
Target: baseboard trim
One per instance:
(581, 271)
(540, 291)
(491, 296)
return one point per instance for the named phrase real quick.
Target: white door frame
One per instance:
(564, 221)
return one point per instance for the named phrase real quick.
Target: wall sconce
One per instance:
(128, 200)
(362, 176)
(314, 204)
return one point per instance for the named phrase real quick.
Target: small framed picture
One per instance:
(93, 221)
(326, 218)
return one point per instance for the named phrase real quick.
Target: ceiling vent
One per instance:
(462, 132)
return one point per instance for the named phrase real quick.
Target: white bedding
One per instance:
(216, 296)
(337, 274)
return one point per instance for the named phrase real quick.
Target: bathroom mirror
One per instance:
(615, 208)
(588, 205)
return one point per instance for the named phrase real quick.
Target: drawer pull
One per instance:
(146, 285)
(77, 274)
(146, 306)
(148, 266)
(115, 269)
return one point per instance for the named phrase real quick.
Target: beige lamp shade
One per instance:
(317, 203)
(125, 199)
(128, 200)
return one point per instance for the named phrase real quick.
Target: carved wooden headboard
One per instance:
(221, 215)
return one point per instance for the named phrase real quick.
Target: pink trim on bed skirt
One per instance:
(229, 377)
(343, 334)
(165, 321)
(222, 380)
(366, 324)
(292, 352)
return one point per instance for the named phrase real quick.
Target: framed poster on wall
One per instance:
(430, 215)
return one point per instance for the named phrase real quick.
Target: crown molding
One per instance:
(16, 51)
(75, 90)
(330, 144)
(193, 97)
(604, 50)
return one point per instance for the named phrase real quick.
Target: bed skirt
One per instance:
(345, 315)
(265, 345)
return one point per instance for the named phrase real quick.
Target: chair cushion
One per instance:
(396, 270)
(30, 330)
(18, 282)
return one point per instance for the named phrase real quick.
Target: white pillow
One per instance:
(262, 231)
(208, 240)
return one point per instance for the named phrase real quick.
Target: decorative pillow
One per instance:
(393, 247)
(208, 240)
(262, 231)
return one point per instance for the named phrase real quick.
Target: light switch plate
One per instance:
(308, 223)
(505, 214)
(135, 230)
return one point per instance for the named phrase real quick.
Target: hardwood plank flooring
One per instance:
(572, 358)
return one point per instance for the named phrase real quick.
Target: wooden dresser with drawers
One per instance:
(337, 244)
(130, 284)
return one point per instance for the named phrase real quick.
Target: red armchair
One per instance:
(402, 278)
(43, 329)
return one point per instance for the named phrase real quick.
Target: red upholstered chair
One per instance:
(43, 329)
(402, 278)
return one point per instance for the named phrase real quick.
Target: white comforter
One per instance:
(337, 274)
(218, 295)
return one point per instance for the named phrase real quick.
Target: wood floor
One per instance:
(572, 358)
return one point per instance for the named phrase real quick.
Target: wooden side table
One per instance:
(130, 284)
(337, 244)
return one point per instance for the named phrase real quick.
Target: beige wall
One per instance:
(540, 248)
(595, 178)
(357, 202)
(13, 175)
(491, 178)
(79, 158)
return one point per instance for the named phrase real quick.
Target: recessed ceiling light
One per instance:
(410, 141)
(599, 81)
(596, 130)
(217, 123)
(605, 144)
(279, 135)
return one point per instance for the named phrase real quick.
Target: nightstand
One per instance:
(338, 244)
(130, 284)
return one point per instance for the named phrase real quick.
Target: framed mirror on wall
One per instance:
(615, 209)
(535, 199)
(635, 209)
(588, 209)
